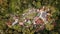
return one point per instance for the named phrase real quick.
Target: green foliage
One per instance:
(19, 7)
(38, 4)
(49, 26)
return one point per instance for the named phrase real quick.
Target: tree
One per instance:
(17, 7)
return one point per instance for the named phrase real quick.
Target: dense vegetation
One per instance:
(17, 7)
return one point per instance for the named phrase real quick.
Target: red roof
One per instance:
(39, 21)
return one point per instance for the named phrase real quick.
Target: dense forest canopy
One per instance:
(18, 7)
